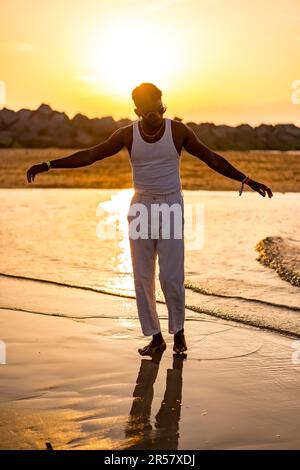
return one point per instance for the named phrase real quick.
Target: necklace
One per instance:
(153, 135)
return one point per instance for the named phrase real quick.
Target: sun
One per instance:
(131, 52)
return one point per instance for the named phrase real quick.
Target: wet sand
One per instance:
(73, 378)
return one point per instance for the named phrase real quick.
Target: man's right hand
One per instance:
(34, 170)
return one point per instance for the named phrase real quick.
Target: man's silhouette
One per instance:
(154, 145)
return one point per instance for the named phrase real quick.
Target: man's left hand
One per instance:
(261, 188)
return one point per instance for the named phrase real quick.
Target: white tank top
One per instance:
(155, 166)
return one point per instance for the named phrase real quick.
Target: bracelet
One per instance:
(244, 181)
(48, 163)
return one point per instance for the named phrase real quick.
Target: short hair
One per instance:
(145, 93)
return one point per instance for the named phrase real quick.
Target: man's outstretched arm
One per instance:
(86, 157)
(218, 163)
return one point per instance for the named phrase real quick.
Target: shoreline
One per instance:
(256, 322)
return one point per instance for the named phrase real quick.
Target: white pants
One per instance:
(170, 253)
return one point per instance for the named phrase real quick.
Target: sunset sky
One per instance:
(222, 61)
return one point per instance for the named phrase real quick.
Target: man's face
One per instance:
(155, 110)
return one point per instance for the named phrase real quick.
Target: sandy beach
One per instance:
(76, 380)
(279, 170)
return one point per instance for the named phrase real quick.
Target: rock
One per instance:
(19, 127)
(262, 134)
(6, 139)
(287, 137)
(65, 140)
(81, 122)
(57, 128)
(58, 119)
(291, 129)
(245, 137)
(204, 133)
(27, 139)
(24, 114)
(44, 110)
(193, 126)
(38, 123)
(103, 127)
(225, 137)
(31, 140)
(83, 139)
(7, 117)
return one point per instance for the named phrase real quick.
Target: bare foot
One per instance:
(179, 342)
(153, 347)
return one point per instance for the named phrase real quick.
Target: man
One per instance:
(154, 145)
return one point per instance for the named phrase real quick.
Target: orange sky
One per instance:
(222, 61)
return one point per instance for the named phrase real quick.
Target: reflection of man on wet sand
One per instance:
(139, 429)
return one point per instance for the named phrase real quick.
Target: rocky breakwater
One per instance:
(45, 127)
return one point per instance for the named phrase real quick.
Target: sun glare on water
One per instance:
(132, 52)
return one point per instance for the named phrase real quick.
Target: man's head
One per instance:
(147, 99)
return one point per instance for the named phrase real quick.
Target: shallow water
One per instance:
(53, 234)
